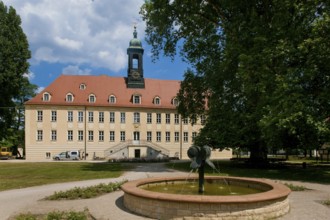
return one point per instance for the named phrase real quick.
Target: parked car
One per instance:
(5, 153)
(68, 155)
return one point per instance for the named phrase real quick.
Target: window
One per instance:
(168, 119)
(185, 136)
(137, 99)
(54, 116)
(176, 119)
(80, 135)
(112, 136)
(69, 97)
(168, 136)
(193, 135)
(122, 117)
(122, 136)
(176, 136)
(101, 117)
(70, 135)
(193, 121)
(90, 135)
(54, 135)
(46, 97)
(101, 135)
(70, 116)
(185, 121)
(92, 98)
(149, 118)
(82, 86)
(157, 101)
(112, 117)
(136, 117)
(80, 116)
(158, 118)
(158, 136)
(175, 102)
(90, 116)
(39, 115)
(149, 136)
(203, 119)
(112, 99)
(39, 135)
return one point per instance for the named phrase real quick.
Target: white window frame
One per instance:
(80, 135)
(39, 115)
(70, 116)
(122, 117)
(112, 136)
(101, 136)
(112, 117)
(70, 135)
(136, 117)
(101, 117)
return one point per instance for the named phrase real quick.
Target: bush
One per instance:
(85, 192)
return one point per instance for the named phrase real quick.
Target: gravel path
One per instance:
(304, 205)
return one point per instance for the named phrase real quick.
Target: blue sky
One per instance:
(86, 37)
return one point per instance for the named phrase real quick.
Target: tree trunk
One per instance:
(258, 156)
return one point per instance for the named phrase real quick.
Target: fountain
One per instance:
(270, 200)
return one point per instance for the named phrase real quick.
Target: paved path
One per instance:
(304, 205)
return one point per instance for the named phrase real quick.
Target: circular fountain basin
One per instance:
(272, 202)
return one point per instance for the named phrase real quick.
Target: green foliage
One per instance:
(14, 55)
(85, 192)
(262, 67)
(295, 187)
(56, 215)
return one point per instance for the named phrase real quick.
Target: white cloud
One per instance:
(30, 75)
(75, 70)
(94, 33)
(40, 89)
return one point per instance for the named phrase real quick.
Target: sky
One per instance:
(86, 37)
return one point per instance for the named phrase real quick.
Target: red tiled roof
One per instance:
(102, 87)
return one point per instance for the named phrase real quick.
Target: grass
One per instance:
(85, 192)
(292, 172)
(56, 215)
(22, 175)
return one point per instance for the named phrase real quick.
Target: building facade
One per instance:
(110, 117)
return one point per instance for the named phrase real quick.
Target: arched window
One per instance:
(112, 99)
(92, 98)
(46, 97)
(136, 99)
(157, 100)
(69, 97)
(82, 86)
(175, 101)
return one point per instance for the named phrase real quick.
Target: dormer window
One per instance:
(91, 98)
(46, 97)
(82, 86)
(136, 99)
(157, 100)
(112, 99)
(175, 101)
(69, 97)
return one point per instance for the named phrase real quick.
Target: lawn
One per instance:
(317, 173)
(21, 175)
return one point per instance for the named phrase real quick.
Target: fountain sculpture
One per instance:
(270, 202)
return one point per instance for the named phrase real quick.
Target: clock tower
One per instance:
(135, 63)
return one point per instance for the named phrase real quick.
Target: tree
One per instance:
(14, 53)
(259, 63)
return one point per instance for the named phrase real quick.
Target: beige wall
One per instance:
(36, 150)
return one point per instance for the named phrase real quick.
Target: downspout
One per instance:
(180, 137)
(85, 131)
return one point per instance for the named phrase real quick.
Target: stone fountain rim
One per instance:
(277, 191)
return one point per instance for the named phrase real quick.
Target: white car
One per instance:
(67, 155)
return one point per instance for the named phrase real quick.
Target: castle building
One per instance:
(107, 117)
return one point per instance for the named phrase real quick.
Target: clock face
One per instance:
(135, 74)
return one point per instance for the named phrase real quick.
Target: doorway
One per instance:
(137, 153)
